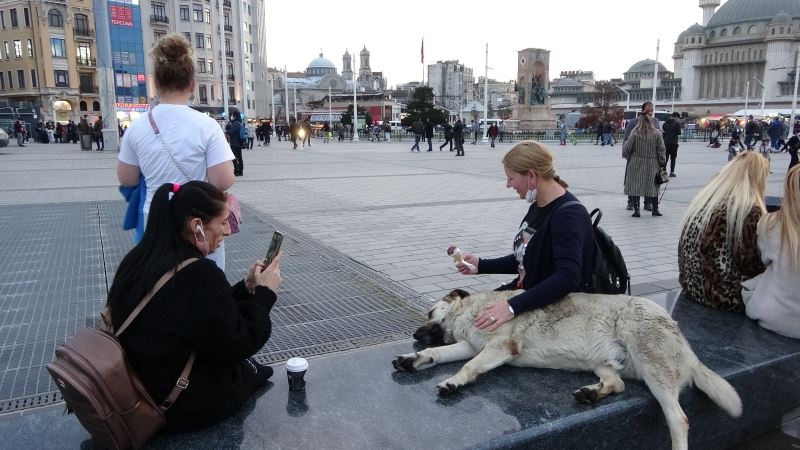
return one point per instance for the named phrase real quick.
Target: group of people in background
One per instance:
(51, 132)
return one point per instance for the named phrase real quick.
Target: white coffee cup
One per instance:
(295, 373)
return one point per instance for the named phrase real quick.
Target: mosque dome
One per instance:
(645, 66)
(695, 29)
(320, 67)
(738, 11)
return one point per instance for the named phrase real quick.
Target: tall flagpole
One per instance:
(286, 94)
(655, 74)
(486, 98)
(355, 102)
(794, 96)
(422, 59)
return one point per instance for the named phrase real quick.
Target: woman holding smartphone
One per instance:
(197, 312)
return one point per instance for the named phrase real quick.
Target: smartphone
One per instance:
(274, 247)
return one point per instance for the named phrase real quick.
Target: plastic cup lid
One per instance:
(296, 365)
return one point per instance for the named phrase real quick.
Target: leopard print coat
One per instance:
(710, 272)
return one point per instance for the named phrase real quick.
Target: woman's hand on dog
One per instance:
(465, 268)
(499, 312)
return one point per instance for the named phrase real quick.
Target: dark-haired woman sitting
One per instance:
(196, 311)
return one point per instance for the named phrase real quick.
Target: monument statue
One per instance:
(537, 90)
(521, 95)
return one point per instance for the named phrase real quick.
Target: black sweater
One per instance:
(558, 258)
(197, 310)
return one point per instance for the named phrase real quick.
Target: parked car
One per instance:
(3, 138)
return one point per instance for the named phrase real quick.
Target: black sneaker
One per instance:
(672, 175)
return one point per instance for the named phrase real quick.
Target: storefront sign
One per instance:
(139, 107)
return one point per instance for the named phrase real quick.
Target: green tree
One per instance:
(421, 107)
(504, 112)
(347, 116)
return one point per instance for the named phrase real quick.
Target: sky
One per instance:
(606, 37)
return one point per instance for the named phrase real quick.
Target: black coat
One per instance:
(429, 129)
(197, 310)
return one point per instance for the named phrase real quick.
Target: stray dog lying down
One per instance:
(611, 335)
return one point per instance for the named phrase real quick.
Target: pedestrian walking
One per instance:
(458, 135)
(418, 128)
(672, 129)
(235, 138)
(646, 157)
(429, 134)
(448, 136)
(493, 133)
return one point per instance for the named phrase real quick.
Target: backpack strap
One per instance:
(183, 379)
(159, 284)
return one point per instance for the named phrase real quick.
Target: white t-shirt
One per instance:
(195, 140)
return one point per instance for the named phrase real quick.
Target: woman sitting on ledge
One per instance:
(773, 298)
(717, 248)
(196, 311)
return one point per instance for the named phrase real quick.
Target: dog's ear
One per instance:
(456, 294)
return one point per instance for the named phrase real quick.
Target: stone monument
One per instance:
(533, 88)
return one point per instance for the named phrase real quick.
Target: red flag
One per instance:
(422, 52)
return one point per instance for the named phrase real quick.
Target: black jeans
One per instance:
(672, 153)
(238, 163)
(793, 160)
(446, 141)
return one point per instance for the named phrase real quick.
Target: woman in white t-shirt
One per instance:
(173, 143)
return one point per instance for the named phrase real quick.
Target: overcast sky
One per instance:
(605, 36)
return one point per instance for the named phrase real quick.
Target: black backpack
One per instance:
(609, 272)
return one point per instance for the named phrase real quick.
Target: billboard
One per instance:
(121, 16)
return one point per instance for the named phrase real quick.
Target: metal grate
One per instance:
(57, 263)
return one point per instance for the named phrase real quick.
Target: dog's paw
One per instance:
(404, 363)
(586, 395)
(447, 388)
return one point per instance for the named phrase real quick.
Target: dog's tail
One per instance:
(719, 390)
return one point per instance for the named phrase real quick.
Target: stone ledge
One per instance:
(355, 400)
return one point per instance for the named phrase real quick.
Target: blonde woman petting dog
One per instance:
(553, 248)
(717, 248)
(773, 298)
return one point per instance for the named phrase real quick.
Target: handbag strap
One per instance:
(183, 379)
(165, 146)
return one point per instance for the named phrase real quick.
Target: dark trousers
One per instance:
(446, 141)
(793, 160)
(459, 146)
(99, 141)
(430, 143)
(672, 153)
(417, 138)
(238, 163)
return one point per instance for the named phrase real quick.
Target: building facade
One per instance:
(452, 84)
(739, 48)
(47, 58)
(228, 45)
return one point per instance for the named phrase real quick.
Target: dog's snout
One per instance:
(429, 334)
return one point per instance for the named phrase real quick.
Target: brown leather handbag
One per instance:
(98, 385)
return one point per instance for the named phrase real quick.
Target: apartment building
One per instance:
(47, 58)
(225, 36)
(451, 83)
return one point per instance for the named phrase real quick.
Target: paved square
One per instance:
(349, 209)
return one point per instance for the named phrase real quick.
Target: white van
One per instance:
(396, 125)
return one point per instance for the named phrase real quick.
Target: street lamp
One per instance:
(763, 95)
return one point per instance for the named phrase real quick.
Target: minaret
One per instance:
(364, 72)
(347, 66)
(708, 7)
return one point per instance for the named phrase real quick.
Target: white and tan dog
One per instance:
(607, 334)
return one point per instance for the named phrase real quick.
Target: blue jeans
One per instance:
(607, 139)
(417, 138)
